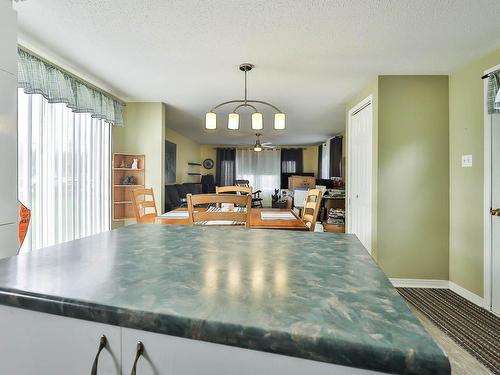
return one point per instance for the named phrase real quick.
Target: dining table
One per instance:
(255, 218)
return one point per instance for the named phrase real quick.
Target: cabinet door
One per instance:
(9, 240)
(8, 148)
(39, 343)
(8, 38)
(179, 356)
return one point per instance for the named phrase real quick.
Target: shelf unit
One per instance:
(194, 169)
(122, 204)
(335, 203)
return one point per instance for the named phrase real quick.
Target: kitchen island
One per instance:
(208, 300)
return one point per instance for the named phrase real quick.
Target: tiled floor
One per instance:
(462, 363)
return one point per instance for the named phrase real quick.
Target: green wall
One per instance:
(186, 151)
(144, 133)
(413, 178)
(466, 184)
(410, 182)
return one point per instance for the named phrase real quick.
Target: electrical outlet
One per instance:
(466, 161)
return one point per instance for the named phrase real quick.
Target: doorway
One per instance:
(491, 207)
(359, 176)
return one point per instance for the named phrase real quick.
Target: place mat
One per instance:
(270, 215)
(175, 215)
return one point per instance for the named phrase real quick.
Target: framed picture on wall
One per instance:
(170, 161)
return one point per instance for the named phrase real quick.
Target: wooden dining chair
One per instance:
(311, 208)
(216, 214)
(143, 201)
(245, 190)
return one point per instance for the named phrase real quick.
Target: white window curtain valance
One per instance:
(38, 76)
(494, 93)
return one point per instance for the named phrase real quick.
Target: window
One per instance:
(261, 169)
(64, 172)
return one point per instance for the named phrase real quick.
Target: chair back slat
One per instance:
(310, 210)
(233, 189)
(212, 199)
(245, 183)
(143, 200)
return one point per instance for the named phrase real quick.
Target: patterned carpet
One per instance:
(473, 328)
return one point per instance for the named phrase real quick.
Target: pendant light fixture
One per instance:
(233, 121)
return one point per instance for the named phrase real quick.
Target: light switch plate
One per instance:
(466, 161)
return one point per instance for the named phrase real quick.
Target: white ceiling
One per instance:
(311, 56)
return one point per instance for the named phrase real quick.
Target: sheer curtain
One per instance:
(64, 172)
(262, 169)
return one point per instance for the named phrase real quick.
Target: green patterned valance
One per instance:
(494, 93)
(38, 76)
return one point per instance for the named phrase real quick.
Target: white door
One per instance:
(495, 220)
(359, 180)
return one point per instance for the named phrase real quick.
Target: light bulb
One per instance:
(279, 121)
(210, 121)
(257, 123)
(233, 121)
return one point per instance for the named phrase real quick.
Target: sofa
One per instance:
(175, 195)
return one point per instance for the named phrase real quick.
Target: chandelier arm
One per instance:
(228, 102)
(245, 105)
(245, 87)
(265, 103)
(248, 101)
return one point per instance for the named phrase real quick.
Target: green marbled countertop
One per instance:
(317, 296)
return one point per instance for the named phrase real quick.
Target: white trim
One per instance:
(368, 101)
(419, 283)
(487, 197)
(468, 295)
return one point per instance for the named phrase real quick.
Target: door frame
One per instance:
(368, 101)
(488, 246)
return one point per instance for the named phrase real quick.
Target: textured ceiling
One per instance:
(310, 55)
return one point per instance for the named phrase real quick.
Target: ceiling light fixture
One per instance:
(233, 121)
(257, 147)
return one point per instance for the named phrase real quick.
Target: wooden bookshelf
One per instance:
(122, 204)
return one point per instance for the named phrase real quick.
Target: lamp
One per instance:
(210, 121)
(257, 123)
(279, 121)
(233, 121)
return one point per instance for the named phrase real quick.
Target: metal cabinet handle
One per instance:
(102, 344)
(495, 211)
(139, 351)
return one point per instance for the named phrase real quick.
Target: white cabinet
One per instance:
(8, 38)
(39, 343)
(172, 355)
(9, 240)
(8, 148)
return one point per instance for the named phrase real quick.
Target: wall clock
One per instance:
(208, 163)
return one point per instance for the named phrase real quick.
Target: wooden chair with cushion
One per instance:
(311, 208)
(256, 199)
(217, 216)
(143, 201)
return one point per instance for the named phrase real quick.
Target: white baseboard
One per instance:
(468, 295)
(420, 283)
(441, 284)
